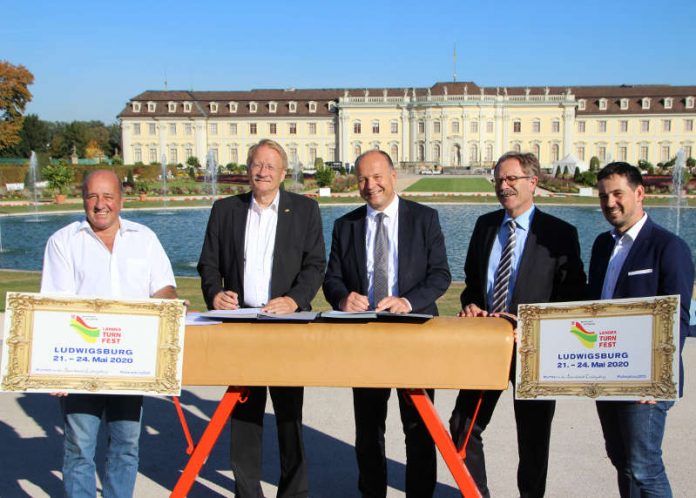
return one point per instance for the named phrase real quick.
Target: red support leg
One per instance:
(444, 443)
(202, 450)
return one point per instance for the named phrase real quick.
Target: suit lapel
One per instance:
(405, 236)
(239, 219)
(358, 234)
(489, 236)
(633, 254)
(283, 234)
(525, 268)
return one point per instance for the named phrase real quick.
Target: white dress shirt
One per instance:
(259, 243)
(77, 262)
(391, 224)
(622, 246)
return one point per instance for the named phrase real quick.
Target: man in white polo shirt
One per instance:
(104, 256)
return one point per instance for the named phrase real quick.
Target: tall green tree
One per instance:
(14, 95)
(35, 135)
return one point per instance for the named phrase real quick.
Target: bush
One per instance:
(594, 163)
(325, 177)
(59, 177)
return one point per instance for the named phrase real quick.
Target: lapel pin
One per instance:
(286, 210)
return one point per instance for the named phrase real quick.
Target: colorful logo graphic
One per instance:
(586, 337)
(88, 333)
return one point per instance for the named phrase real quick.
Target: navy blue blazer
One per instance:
(671, 271)
(299, 256)
(423, 272)
(550, 270)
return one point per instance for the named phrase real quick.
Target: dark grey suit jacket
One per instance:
(550, 269)
(423, 272)
(298, 257)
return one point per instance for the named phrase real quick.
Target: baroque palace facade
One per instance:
(448, 124)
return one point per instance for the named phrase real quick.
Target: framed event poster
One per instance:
(620, 349)
(92, 345)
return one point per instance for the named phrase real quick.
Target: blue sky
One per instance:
(90, 57)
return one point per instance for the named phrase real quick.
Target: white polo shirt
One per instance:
(77, 262)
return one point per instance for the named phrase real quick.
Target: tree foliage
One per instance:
(594, 163)
(14, 95)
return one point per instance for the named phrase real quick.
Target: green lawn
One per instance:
(444, 184)
(190, 288)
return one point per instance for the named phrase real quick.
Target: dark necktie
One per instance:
(502, 276)
(380, 281)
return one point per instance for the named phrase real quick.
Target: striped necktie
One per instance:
(380, 277)
(502, 275)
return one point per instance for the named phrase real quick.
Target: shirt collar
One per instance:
(522, 221)
(274, 205)
(632, 232)
(390, 211)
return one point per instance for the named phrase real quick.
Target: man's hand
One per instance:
(472, 311)
(393, 304)
(226, 300)
(354, 302)
(280, 305)
(59, 394)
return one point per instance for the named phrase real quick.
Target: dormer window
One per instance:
(624, 104)
(602, 104)
(151, 107)
(645, 103)
(689, 102)
(232, 106)
(253, 106)
(171, 106)
(187, 106)
(136, 106)
(213, 107)
(272, 106)
(331, 104)
(581, 105)
(312, 107)
(668, 102)
(292, 106)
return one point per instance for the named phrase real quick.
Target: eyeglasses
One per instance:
(511, 179)
(257, 167)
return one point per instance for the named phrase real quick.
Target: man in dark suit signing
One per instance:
(516, 255)
(638, 258)
(388, 256)
(265, 249)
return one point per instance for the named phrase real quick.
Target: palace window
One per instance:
(580, 152)
(421, 126)
(624, 104)
(375, 127)
(601, 126)
(272, 128)
(666, 125)
(136, 128)
(152, 155)
(581, 105)
(331, 128)
(581, 127)
(623, 126)
(171, 106)
(536, 126)
(292, 106)
(173, 156)
(172, 128)
(357, 128)
(152, 129)
(292, 128)
(645, 125)
(436, 127)
(187, 106)
(602, 104)
(252, 128)
(668, 102)
(455, 126)
(602, 153)
(213, 128)
(233, 128)
(213, 107)
(623, 153)
(234, 155)
(394, 126)
(689, 103)
(136, 106)
(664, 153)
(253, 106)
(188, 129)
(312, 107)
(151, 106)
(138, 155)
(688, 125)
(232, 106)
(474, 127)
(188, 151)
(644, 152)
(312, 128)
(516, 126)
(555, 126)
(555, 152)
(645, 103)
(272, 106)
(489, 126)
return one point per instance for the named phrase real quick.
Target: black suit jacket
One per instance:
(298, 257)
(423, 272)
(658, 264)
(550, 269)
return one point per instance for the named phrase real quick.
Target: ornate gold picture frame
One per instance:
(78, 345)
(613, 349)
